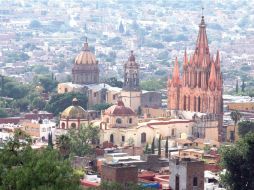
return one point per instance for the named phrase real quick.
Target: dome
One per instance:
(119, 109)
(75, 111)
(85, 56)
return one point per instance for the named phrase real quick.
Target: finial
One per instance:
(203, 12)
(132, 57)
(75, 102)
(86, 44)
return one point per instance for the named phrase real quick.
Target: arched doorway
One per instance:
(111, 138)
(143, 138)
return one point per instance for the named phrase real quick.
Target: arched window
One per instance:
(118, 121)
(188, 103)
(195, 104)
(143, 137)
(111, 138)
(184, 103)
(73, 125)
(199, 104)
(195, 181)
(63, 125)
(130, 120)
(199, 79)
(177, 182)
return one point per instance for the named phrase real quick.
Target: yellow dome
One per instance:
(85, 56)
(75, 111)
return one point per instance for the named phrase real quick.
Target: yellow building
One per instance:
(119, 124)
(242, 106)
(232, 133)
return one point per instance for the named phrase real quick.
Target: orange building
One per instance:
(200, 87)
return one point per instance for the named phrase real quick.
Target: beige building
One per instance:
(119, 124)
(96, 93)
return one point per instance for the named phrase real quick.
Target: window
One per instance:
(199, 79)
(65, 90)
(73, 125)
(107, 120)
(43, 129)
(63, 125)
(94, 94)
(123, 138)
(130, 120)
(111, 138)
(195, 104)
(232, 136)
(49, 129)
(143, 137)
(118, 121)
(184, 103)
(114, 97)
(172, 132)
(177, 182)
(195, 181)
(199, 104)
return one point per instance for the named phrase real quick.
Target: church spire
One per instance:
(212, 79)
(202, 41)
(176, 76)
(217, 61)
(185, 58)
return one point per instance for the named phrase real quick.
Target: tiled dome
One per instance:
(85, 56)
(75, 111)
(119, 109)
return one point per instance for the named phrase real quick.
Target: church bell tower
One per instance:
(131, 93)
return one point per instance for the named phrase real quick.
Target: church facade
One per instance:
(200, 87)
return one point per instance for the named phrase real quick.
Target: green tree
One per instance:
(235, 116)
(3, 113)
(47, 82)
(238, 160)
(245, 127)
(117, 186)
(23, 168)
(21, 104)
(50, 140)
(114, 82)
(159, 147)
(40, 69)
(237, 87)
(251, 94)
(63, 143)
(166, 148)
(146, 151)
(243, 86)
(102, 106)
(152, 85)
(139, 112)
(82, 138)
(38, 103)
(59, 102)
(153, 146)
(15, 89)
